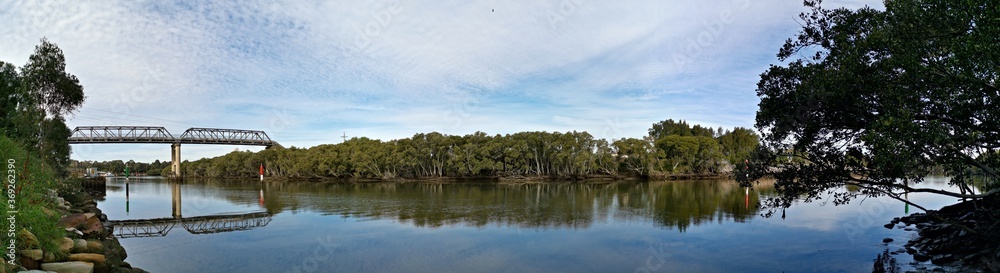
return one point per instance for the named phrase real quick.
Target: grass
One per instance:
(35, 209)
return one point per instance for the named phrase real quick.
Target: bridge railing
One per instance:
(150, 134)
(225, 136)
(195, 225)
(121, 134)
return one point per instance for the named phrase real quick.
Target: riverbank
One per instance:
(499, 179)
(963, 236)
(87, 244)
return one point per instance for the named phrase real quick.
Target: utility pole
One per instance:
(344, 137)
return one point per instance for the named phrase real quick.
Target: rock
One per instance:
(920, 257)
(89, 215)
(28, 238)
(88, 257)
(34, 254)
(94, 246)
(94, 228)
(48, 257)
(49, 212)
(69, 267)
(888, 226)
(887, 240)
(910, 251)
(92, 221)
(35, 271)
(72, 220)
(65, 245)
(74, 231)
(28, 263)
(942, 259)
(79, 246)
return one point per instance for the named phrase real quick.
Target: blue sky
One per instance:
(307, 72)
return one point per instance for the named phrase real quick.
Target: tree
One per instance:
(874, 99)
(737, 145)
(45, 80)
(10, 82)
(699, 154)
(679, 128)
(56, 149)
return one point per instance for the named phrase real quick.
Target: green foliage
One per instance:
(45, 80)
(678, 128)
(697, 154)
(34, 180)
(525, 154)
(737, 145)
(34, 101)
(636, 156)
(878, 98)
(33, 136)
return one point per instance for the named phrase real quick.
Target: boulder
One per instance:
(89, 215)
(942, 259)
(88, 257)
(49, 257)
(69, 267)
(887, 240)
(94, 246)
(72, 220)
(34, 254)
(79, 246)
(93, 228)
(28, 263)
(28, 238)
(92, 221)
(65, 245)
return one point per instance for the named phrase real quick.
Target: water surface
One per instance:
(670, 226)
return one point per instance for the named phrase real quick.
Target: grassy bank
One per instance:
(35, 185)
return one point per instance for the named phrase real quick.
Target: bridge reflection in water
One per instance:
(159, 227)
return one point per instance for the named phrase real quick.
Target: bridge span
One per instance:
(216, 223)
(159, 227)
(151, 134)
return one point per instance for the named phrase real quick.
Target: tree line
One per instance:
(34, 100)
(672, 147)
(118, 166)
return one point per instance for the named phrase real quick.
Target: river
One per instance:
(209, 225)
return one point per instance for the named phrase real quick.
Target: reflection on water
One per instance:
(548, 205)
(489, 227)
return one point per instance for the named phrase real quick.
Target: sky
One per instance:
(310, 72)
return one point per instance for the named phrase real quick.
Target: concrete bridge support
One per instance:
(175, 159)
(176, 200)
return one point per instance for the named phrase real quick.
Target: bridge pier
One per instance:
(175, 159)
(176, 200)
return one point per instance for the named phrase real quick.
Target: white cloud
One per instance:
(308, 71)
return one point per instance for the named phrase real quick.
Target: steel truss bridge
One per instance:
(149, 134)
(195, 225)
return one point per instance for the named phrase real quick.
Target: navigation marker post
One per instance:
(261, 172)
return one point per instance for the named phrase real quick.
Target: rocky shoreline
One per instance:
(88, 244)
(964, 237)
